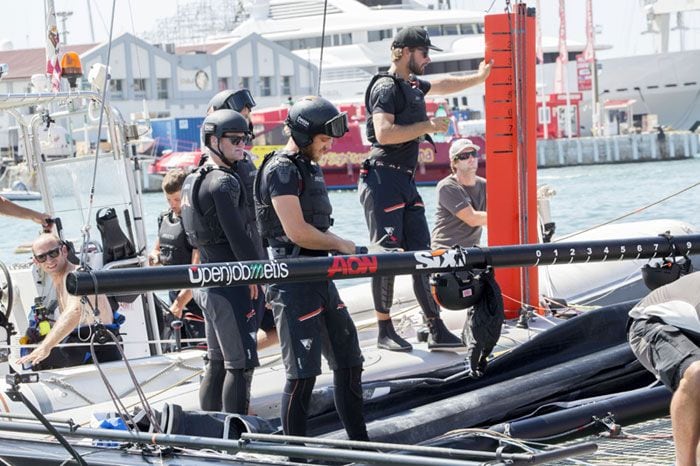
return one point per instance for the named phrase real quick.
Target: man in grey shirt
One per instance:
(461, 210)
(664, 334)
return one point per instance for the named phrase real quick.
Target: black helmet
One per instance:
(223, 121)
(315, 115)
(665, 272)
(233, 100)
(456, 290)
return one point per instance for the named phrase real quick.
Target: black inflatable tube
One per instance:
(489, 403)
(636, 406)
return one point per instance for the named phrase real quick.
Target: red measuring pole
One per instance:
(511, 168)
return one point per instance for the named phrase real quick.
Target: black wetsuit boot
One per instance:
(388, 339)
(439, 336)
(383, 295)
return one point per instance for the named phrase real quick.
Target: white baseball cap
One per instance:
(460, 145)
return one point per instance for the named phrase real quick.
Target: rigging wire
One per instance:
(323, 43)
(91, 201)
(628, 214)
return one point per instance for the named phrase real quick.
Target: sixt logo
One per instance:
(226, 274)
(352, 265)
(439, 259)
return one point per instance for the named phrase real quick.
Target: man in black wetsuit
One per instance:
(394, 211)
(294, 215)
(242, 102)
(213, 214)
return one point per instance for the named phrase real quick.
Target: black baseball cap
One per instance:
(413, 37)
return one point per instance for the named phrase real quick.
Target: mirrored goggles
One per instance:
(337, 126)
(239, 100)
(53, 253)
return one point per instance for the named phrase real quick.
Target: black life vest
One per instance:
(400, 103)
(246, 171)
(409, 104)
(203, 228)
(174, 248)
(313, 195)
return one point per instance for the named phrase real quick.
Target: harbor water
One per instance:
(585, 196)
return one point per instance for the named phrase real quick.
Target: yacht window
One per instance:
(467, 28)
(245, 82)
(376, 36)
(480, 28)
(450, 30)
(265, 89)
(434, 30)
(346, 38)
(162, 88)
(223, 84)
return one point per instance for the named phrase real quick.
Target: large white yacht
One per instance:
(358, 35)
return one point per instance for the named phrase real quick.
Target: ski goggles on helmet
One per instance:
(337, 126)
(239, 100)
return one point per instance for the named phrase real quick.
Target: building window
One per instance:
(265, 89)
(286, 85)
(223, 84)
(139, 88)
(245, 83)
(345, 38)
(375, 36)
(116, 88)
(162, 88)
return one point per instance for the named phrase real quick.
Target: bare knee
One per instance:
(691, 377)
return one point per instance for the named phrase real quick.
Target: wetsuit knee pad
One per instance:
(383, 293)
(210, 387)
(236, 390)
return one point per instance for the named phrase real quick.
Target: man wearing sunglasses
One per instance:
(397, 122)
(294, 215)
(213, 215)
(242, 102)
(75, 316)
(461, 210)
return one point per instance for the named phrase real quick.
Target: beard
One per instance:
(309, 153)
(414, 68)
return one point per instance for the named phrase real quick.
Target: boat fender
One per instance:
(115, 244)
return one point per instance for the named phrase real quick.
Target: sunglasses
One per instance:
(466, 155)
(53, 253)
(425, 51)
(238, 140)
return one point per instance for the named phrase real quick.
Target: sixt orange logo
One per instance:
(352, 265)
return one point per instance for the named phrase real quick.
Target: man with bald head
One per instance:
(74, 316)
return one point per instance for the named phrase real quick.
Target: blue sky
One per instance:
(620, 21)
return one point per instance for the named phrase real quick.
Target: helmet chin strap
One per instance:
(220, 153)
